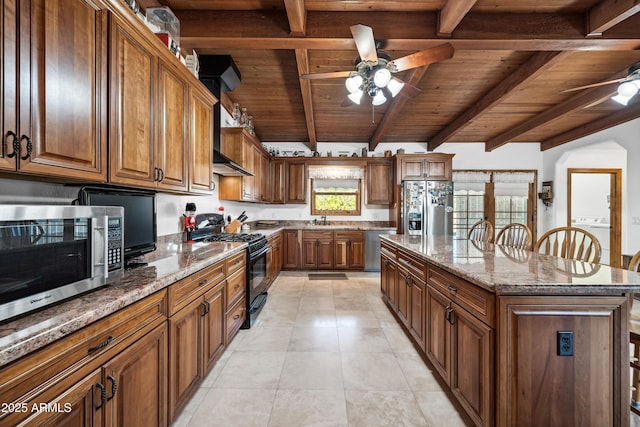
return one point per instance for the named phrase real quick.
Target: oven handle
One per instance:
(259, 254)
(254, 308)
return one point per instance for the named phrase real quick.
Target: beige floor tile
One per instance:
(282, 301)
(383, 408)
(251, 369)
(314, 339)
(316, 302)
(211, 378)
(356, 318)
(399, 341)
(316, 318)
(265, 338)
(438, 410)
(417, 373)
(298, 408)
(311, 371)
(363, 340)
(277, 317)
(372, 371)
(185, 416)
(351, 303)
(317, 290)
(234, 407)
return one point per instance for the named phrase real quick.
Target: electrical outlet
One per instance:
(565, 343)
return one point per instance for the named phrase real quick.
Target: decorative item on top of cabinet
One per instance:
(433, 166)
(56, 53)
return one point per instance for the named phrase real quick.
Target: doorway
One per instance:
(595, 205)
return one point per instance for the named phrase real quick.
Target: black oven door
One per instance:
(257, 273)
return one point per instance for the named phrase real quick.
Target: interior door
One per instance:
(595, 205)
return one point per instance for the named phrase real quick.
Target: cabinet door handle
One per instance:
(29, 147)
(114, 386)
(204, 282)
(103, 395)
(103, 344)
(15, 143)
(236, 286)
(236, 317)
(452, 289)
(160, 175)
(203, 305)
(406, 279)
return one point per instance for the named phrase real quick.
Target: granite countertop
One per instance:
(332, 225)
(509, 271)
(169, 263)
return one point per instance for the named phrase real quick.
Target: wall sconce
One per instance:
(546, 195)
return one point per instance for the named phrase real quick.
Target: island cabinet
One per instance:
(53, 86)
(412, 291)
(460, 344)
(112, 372)
(389, 274)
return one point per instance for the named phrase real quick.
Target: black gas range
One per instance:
(256, 282)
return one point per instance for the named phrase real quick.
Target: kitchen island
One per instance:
(519, 338)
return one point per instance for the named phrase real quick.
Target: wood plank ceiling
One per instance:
(504, 83)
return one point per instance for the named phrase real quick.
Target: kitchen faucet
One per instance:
(324, 219)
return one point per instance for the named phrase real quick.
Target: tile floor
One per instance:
(322, 353)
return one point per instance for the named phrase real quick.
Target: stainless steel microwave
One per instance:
(51, 253)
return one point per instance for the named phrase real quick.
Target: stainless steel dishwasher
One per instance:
(372, 248)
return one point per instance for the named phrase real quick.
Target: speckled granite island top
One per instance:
(508, 271)
(168, 264)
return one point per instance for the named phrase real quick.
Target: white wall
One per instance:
(617, 147)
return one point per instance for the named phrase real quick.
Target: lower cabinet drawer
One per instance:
(236, 285)
(235, 318)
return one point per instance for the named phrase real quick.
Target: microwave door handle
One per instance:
(100, 225)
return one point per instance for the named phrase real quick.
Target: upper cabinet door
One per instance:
(8, 83)
(133, 68)
(62, 88)
(201, 145)
(172, 149)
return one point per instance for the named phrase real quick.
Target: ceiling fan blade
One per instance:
(424, 57)
(335, 74)
(608, 82)
(365, 43)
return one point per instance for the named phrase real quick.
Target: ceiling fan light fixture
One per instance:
(379, 99)
(621, 99)
(356, 96)
(395, 86)
(353, 83)
(628, 89)
(382, 77)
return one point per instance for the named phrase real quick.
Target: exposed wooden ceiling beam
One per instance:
(451, 15)
(581, 100)
(399, 30)
(630, 112)
(533, 67)
(302, 59)
(609, 13)
(297, 15)
(395, 108)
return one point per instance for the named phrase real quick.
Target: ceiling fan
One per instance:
(374, 68)
(628, 88)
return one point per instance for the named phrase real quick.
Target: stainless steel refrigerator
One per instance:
(427, 208)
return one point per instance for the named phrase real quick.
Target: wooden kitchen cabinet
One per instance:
(388, 274)
(435, 166)
(201, 145)
(53, 112)
(235, 304)
(580, 389)
(291, 250)
(296, 182)
(124, 354)
(379, 182)
(278, 180)
(317, 249)
(348, 249)
(274, 257)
